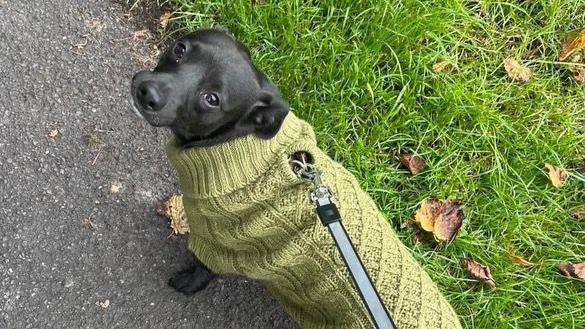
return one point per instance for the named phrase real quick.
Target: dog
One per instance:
(249, 214)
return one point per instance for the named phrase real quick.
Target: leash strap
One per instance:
(322, 197)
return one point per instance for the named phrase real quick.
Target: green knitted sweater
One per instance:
(250, 215)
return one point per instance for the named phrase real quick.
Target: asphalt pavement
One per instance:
(80, 176)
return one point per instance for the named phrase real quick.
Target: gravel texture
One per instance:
(66, 65)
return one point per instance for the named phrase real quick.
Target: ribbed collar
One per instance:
(215, 170)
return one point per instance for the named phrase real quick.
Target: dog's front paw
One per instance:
(191, 280)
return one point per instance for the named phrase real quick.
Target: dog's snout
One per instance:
(150, 96)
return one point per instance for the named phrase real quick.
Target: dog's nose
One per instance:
(150, 96)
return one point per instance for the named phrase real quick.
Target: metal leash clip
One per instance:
(321, 195)
(322, 198)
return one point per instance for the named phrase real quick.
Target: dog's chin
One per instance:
(198, 141)
(217, 137)
(154, 119)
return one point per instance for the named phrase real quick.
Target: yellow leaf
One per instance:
(53, 133)
(557, 175)
(164, 20)
(579, 212)
(441, 217)
(520, 261)
(173, 210)
(440, 66)
(427, 213)
(116, 187)
(572, 44)
(516, 71)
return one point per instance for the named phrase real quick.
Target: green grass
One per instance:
(361, 73)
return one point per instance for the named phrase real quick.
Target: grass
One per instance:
(361, 73)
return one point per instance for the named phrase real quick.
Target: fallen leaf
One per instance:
(116, 187)
(449, 221)
(164, 19)
(572, 44)
(557, 175)
(88, 223)
(579, 213)
(479, 272)
(516, 71)
(417, 237)
(441, 217)
(576, 271)
(580, 76)
(427, 214)
(412, 162)
(406, 223)
(520, 261)
(440, 66)
(53, 133)
(105, 304)
(173, 210)
(139, 35)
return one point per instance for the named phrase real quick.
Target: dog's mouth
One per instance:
(136, 110)
(211, 138)
(152, 118)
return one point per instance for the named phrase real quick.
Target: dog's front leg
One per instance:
(192, 280)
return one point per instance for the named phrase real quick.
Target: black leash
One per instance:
(322, 197)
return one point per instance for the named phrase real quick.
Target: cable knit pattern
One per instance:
(250, 215)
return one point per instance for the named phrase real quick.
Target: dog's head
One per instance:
(206, 89)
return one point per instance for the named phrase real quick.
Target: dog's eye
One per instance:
(180, 50)
(211, 99)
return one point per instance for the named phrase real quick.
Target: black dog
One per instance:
(225, 97)
(206, 89)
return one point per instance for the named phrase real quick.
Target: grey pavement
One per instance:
(66, 65)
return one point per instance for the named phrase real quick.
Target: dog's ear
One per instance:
(268, 113)
(269, 110)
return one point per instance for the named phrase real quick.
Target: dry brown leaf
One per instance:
(440, 66)
(140, 35)
(115, 187)
(87, 222)
(449, 220)
(412, 162)
(579, 213)
(520, 261)
(417, 237)
(580, 76)
(557, 175)
(164, 19)
(105, 304)
(576, 271)
(572, 44)
(441, 217)
(480, 272)
(516, 71)
(406, 223)
(53, 133)
(173, 210)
